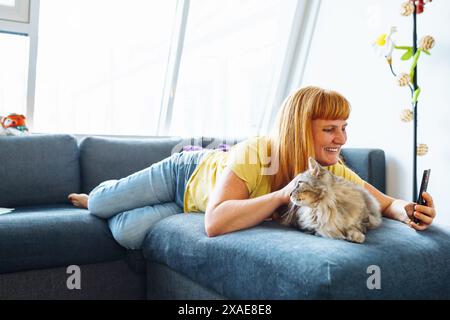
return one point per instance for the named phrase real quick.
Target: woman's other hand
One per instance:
(424, 213)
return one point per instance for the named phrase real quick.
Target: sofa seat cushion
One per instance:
(275, 262)
(54, 236)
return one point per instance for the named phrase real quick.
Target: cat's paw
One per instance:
(374, 221)
(356, 236)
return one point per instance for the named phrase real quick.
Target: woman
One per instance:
(254, 179)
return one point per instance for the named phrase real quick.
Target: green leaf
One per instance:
(408, 54)
(416, 95)
(403, 47)
(414, 64)
(426, 52)
(416, 58)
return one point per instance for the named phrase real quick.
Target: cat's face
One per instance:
(311, 185)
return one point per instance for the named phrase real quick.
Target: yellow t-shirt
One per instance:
(250, 161)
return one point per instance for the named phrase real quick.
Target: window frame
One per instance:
(28, 29)
(20, 12)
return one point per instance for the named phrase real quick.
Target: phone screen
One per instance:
(423, 188)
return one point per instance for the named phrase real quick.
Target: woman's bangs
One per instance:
(331, 107)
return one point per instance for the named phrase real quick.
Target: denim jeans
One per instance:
(135, 203)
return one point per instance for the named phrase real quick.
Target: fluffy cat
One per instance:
(330, 206)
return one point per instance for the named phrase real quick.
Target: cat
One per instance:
(330, 206)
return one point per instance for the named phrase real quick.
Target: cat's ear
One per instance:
(313, 166)
(312, 163)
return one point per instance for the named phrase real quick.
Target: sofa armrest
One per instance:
(369, 164)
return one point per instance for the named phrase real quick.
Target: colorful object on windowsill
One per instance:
(13, 125)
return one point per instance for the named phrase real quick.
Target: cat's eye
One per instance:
(299, 182)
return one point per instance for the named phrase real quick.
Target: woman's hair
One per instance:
(291, 138)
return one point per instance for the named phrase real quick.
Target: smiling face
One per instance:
(329, 136)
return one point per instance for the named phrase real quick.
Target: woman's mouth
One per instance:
(332, 150)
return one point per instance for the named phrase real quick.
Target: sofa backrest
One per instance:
(369, 164)
(44, 169)
(113, 158)
(104, 159)
(38, 169)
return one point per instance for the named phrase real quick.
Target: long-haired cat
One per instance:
(330, 206)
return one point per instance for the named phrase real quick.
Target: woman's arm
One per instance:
(230, 209)
(396, 208)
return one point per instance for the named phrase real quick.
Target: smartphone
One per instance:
(423, 188)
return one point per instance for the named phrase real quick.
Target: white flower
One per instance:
(384, 45)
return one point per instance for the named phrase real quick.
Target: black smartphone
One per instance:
(423, 188)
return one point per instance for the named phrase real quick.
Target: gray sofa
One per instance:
(45, 235)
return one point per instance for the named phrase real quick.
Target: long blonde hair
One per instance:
(291, 138)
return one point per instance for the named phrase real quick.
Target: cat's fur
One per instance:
(330, 206)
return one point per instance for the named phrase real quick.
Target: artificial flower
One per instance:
(407, 9)
(426, 43)
(420, 5)
(403, 79)
(422, 149)
(407, 115)
(384, 45)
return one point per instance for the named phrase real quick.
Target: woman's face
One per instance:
(329, 136)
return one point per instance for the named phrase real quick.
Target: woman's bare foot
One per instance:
(79, 200)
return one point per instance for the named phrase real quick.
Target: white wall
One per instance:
(342, 58)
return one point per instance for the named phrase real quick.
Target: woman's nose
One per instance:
(340, 138)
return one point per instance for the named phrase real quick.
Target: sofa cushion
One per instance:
(54, 236)
(275, 262)
(38, 169)
(114, 158)
(368, 163)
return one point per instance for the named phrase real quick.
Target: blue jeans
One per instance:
(135, 203)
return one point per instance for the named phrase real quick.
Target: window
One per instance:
(164, 67)
(101, 65)
(232, 51)
(14, 73)
(15, 10)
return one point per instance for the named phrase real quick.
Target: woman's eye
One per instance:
(330, 130)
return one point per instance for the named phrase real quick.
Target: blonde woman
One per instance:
(312, 122)
(241, 188)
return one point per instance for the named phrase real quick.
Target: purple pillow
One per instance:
(224, 147)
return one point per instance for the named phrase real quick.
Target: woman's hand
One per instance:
(425, 214)
(285, 193)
